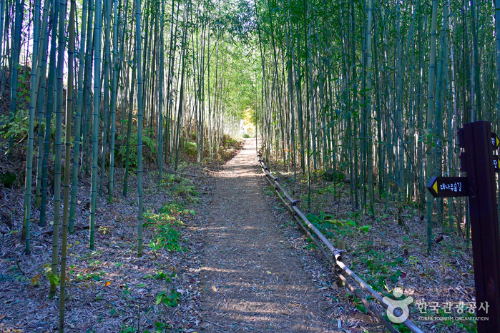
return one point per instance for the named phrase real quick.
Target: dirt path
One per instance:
(252, 280)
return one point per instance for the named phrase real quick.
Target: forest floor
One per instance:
(222, 255)
(109, 289)
(389, 250)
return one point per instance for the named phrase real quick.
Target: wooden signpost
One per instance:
(480, 163)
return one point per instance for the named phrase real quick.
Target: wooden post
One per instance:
(480, 170)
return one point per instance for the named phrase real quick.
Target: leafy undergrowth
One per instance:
(387, 255)
(110, 289)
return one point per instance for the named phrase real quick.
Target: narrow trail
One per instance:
(252, 280)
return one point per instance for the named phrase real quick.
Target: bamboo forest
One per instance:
(249, 165)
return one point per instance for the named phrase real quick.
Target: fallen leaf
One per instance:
(107, 283)
(268, 272)
(35, 279)
(213, 288)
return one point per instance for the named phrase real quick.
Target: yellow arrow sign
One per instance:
(446, 187)
(495, 141)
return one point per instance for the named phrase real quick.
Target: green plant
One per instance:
(319, 221)
(364, 228)
(126, 291)
(172, 208)
(228, 142)
(378, 267)
(171, 178)
(53, 278)
(167, 238)
(94, 263)
(162, 217)
(160, 275)
(8, 178)
(332, 175)
(127, 329)
(357, 302)
(149, 148)
(269, 191)
(343, 227)
(16, 128)
(468, 323)
(90, 276)
(413, 260)
(169, 299)
(160, 327)
(186, 190)
(191, 148)
(400, 327)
